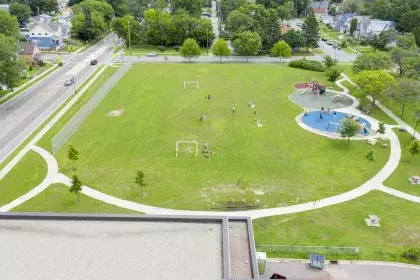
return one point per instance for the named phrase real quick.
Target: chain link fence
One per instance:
(64, 135)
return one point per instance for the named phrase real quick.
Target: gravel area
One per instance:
(240, 258)
(109, 250)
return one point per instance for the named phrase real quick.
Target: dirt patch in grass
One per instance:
(115, 113)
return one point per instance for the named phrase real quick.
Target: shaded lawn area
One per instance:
(58, 199)
(277, 164)
(344, 225)
(26, 175)
(143, 49)
(409, 165)
(409, 110)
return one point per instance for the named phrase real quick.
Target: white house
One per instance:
(4, 7)
(377, 26)
(49, 36)
(327, 20)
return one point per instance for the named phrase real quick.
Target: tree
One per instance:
(370, 156)
(373, 83)
(248, 43)
(161, 48)
(227, 6)
(221, 48)
(372, 61)
(379, 42)
(282, 50)
(381, 129)
(39, 6)
(353, 26)
(353, 6)
(20, 11)
(137, 7)
(332, 11)
(76, 186)
(399, 57)
(410, 20)
(119, 7)
(120, 26)
(285, 11)
(9, 25)
(382, 9)
(11, 66)
(329, 61)
(193, 7)
(72, 153)
(139, 180)
(411, 67)
(405, 91)
(406, 41)
(414, 148)
(239, 22)
(190, 49)
(416, 118)
(294, 38)
(333, 73)
(310, 31)
(348, 128)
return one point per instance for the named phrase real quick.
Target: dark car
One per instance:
(93, 62)
(324, 39)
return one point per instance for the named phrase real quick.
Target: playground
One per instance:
(312, 95)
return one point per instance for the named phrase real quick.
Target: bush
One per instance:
(30, 67)
(40, 63)
(60, 63)
(412, 254)
(307, 65)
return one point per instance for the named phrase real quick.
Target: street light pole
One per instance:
(129, 37)
(74, 85)
(207, 40)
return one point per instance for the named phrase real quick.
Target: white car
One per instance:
(69, 82)
(329, 42)
(152, 54)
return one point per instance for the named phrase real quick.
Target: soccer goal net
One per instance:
(191, 82)
(188, 147)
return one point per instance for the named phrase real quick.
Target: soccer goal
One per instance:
(191, 82)
(187, 150)
(333, 125)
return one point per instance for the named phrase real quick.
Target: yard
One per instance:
(143, 49)
(343, 225)
(274, 165)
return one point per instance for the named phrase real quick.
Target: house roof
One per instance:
(26, 48)
(319, 4)
(42, 26)
(379, 25)
(318, 10)
(4, 7)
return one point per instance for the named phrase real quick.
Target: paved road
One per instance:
(214, 19)
(356, 271)
(339, 55)
(20, 116)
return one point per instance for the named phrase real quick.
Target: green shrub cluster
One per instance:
(307, 65)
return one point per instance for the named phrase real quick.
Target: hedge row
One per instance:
(307, 65)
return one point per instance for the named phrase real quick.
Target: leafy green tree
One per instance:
(247, 44)
(410, 20)
(379, 42)
(406, 41)
(333, 73)
(239, 22)
(190, 49)
(370, 156)
(372, 61)
(228, 6)
(310, 31)
(411, 66)
(120, 26)
(12, 68)
(374, 83)
(137, 7)
(405, 91)
(354, 6)
(9, 25)
(294, 38)
(20, 11)
(381, 129)
(76, 186)
(399, 57)
(285, 11)
(161, 48)
(193, 7)
(139, 180)
(416, 118)
(382, 9)
(332, 11)
(282, 50)
(348, 129)
(221, 48)
(72, 153)
(353, 26)
(414, 148)
(119, 7)
(329, 61)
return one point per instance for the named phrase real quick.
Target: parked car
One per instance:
(69, 82)
(329, 42)
(93, 62)
(208, 15)
(338, 47)
(152, 54)
(324, 39)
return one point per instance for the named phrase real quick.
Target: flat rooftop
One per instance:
(123, 247)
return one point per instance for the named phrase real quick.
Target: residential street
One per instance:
(20, 116)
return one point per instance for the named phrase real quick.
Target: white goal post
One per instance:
(194, 142)
(191, 82)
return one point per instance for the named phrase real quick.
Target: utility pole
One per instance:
(74, 85)
(207, 40)
(129, 37)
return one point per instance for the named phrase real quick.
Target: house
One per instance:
(319, 8)
(4, 7)
(328, 20)
(30, 51)
(49, 36)
(342, 22)
(376, 26)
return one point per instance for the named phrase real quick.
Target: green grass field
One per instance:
(280, 163)
(27, 174)
(409, 166)
(344, 225)
(57, 198)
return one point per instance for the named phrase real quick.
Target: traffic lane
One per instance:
(339, 55)
(347, 271)
(35, 109)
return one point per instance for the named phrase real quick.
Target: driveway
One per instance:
(296, 270)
